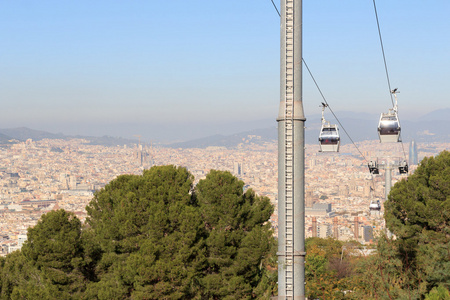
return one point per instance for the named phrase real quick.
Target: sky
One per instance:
(177, 70)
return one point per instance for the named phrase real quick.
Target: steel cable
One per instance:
(323, 97)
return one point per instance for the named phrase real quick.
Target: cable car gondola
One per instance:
(373, 167)
(403, 167)
(375, 205)
(389, 125)
(329, 139)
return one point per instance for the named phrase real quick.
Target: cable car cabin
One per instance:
(373, 167)
(389, 127)
(329, 139)
(375, 205)
(403, 167)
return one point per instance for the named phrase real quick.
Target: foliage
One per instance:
(239, 238)
(416, 261)
(19, 277)
(385, 276)
(438, 293)
(156, 236)
(418, 213)
(329, 268)
(153, 236)
(50, 263)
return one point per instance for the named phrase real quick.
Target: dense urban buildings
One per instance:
(38, 176)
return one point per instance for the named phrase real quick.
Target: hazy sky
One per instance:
(192, 68)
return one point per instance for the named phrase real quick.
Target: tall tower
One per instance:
(356, 230)
(291, 157)
(388, 180)
(236, 169)
(335, 228)
(413, 155)
(314, 227)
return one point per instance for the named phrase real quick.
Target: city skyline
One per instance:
(200, 67)
(39, 176)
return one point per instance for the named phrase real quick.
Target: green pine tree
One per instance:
(240, 239)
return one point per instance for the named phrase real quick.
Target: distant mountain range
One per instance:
(21, 134)
(432, 127)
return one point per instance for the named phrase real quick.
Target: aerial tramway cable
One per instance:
(382, 51)
(276, 8)
(373, 166)
(323, 97)
(391, 92)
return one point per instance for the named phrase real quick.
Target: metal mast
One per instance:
(291, 157)
(387, 189)
(388, 180)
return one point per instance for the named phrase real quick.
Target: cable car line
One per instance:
(326, 102)
(373, 166)
(329, 137)
(323, 97)
(276, 8)
(389, 126)
(382, 50)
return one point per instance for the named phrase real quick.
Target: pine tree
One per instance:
(51, 259)
(416, 259)
(418, 213)
(151, 236)
(239, 237)
(161, 238)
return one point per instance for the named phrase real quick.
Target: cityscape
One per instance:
(50, 174)
(191, 209)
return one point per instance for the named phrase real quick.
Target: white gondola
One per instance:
(375, 205)
(329, 139)
(389, 125)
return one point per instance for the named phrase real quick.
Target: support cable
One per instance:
(385, 65)
(323, 97)
(403, 148)
(326, 102)
(382, 50)
(276, 8)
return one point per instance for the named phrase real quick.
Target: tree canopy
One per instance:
(412, 264)
(152, 236)
(159, 236)
(50, 265)
(418, 214)
(415, 261)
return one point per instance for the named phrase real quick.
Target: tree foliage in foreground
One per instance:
(239, 240)
(417, 260)
(153, 236)
(156, 236)
(415, 264)
(329, 268)
(50, 264)
(418, 213)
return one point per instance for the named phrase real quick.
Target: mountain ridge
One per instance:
(432, 127)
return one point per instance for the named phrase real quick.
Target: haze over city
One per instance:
(182, 70)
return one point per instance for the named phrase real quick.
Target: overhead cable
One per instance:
(385, 65)
(323, 97)
(382, 50)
